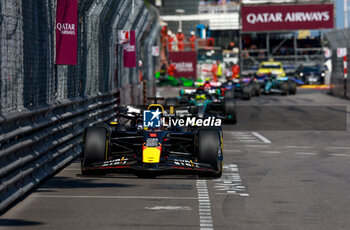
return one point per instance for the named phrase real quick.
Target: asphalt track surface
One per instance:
(273, 179)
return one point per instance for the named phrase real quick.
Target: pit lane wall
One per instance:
(44, 108)
(339, 39)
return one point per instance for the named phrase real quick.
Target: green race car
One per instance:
(207, 103)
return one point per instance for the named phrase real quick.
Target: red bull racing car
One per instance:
(147, 147)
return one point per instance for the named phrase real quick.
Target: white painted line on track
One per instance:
(269, 151)
(244, 194)
(204, 214)
(257, 146)
(247, 137)
(335, 147)
(339, 155)
(298, 147)
(261, 137)
(230, 182)
(206, 221)
(236, 133)
(250, 141)
(304, 153)
(231, 151)
(170, 208)
(116, 197)
(204, 207)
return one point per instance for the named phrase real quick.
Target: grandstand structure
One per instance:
(223, 19)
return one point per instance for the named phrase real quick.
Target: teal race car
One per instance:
(274, 84)
(207, 103)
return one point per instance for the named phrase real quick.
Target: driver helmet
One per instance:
(207, 86)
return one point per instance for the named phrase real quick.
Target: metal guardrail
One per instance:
(44, 108)
(36, 144)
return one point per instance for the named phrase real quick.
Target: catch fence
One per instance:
(44, 108)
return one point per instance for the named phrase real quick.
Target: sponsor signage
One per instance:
(155, 51)
(287, 17)
(327, 53)
(123, 37)
(185, 63)
(66, 32)
(341, 52)
(153, 119)
(129, 51)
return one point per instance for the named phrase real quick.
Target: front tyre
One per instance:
(95, 148)
(210, 151)
(247, 93)
(230, 111)
(257, 90)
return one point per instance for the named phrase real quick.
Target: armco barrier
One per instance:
(35, 144)
(44, 107)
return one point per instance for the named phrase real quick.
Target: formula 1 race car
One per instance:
(244, 88)
(127, 145)
(274, 84)
(208, 102)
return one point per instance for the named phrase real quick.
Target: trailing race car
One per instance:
(244, 88)
(273, 79)
(273, 84)
(208, 102)
(127, 145)
(313, 74)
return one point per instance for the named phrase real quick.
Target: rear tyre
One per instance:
(94, 151)
(229, 94)
(247, 92)
(292, 88)
(230, 106)
(257, 90)
(284, 89)
(209, 151)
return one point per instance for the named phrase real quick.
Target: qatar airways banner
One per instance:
(66, 32)
(185, 63)
(287, 17)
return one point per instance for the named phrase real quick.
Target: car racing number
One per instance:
(121, 161)
(187, 163)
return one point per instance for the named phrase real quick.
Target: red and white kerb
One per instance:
(345, 67)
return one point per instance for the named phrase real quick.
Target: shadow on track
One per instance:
(69, 183)
(17, 222)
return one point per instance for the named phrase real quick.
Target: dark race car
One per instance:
(310, 74)
(244, 88)
(271, 83)
(208, 101)
(127, 145)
